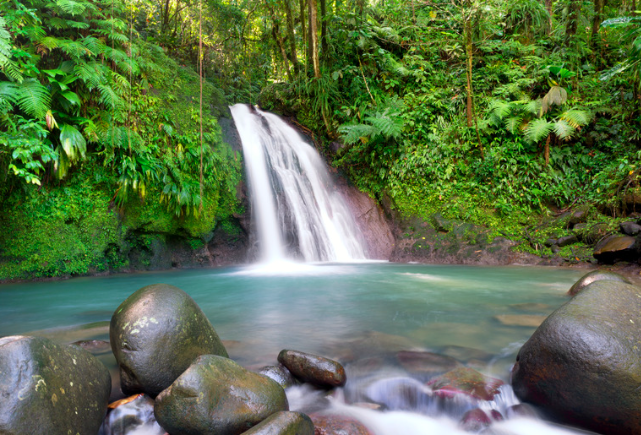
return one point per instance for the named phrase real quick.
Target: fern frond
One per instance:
(33, 98)
(57, 23)
(72, 7)
(91, 73)
(353, 133)
(576, 118)
(9, 92)
(500, 108)
(108, 97)
(533, 107)
(537, 129)
(49, 42)
(513, 124)
(77, 25)
(7, 66)
(75, 49)
(563, 129)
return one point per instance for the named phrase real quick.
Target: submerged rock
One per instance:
(338, 425)
(156, 333)
(465, 381)
(313, 369)
(50, 389)
(583, 364)
(426, 363)
(531, 320)
(284, 423)
(131, 415)
(596, 275)
(475, 420)
(216, 396)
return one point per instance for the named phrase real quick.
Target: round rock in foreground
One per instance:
(596, 275)
(156, 333)
(284, 423)
(582, 366)
(216, 396)
(50, 389)
(313, 369)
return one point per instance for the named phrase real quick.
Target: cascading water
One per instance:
(297, 211)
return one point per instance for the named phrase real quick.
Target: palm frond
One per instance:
(555, 96)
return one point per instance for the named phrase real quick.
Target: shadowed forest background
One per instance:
(492, 112)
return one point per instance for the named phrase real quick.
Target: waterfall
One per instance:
(297, 210)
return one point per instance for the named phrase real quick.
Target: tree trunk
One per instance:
(547, 149)
(573, 19)
(165, 18)
(467, 29)
(323, 11)
(279, 42)
(313, 36)
(548, 6)
(303, 25)
(291, 39)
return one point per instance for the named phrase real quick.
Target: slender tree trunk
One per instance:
(323, 11)
(547, 149)
(572, 19)
(165, 17)
(313, 36)
(279, 42)
(548, 6)
(291, 39)
(467, 29)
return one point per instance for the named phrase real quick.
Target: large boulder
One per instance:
(582, 366)
(314, 369)
(156, 333)
(617, 248)
(50, 389)
(596, 275)
(216, 396)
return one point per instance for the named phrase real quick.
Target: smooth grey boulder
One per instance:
(582, 366)
(313, 369)
(596, 275)
(50, 389)
(284, 423)
(156, 333)
(216, 396)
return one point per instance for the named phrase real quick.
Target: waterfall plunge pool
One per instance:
(355, 313)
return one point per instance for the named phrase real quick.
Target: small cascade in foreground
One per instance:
(297, 210)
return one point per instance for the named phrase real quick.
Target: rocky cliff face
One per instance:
(370, 218)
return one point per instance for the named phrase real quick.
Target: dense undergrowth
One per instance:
(100, 144)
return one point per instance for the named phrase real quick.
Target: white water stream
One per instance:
(297, 210)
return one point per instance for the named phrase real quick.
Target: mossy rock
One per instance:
(50, 389)
(216, 396)
(156, 333)
(583, 364)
